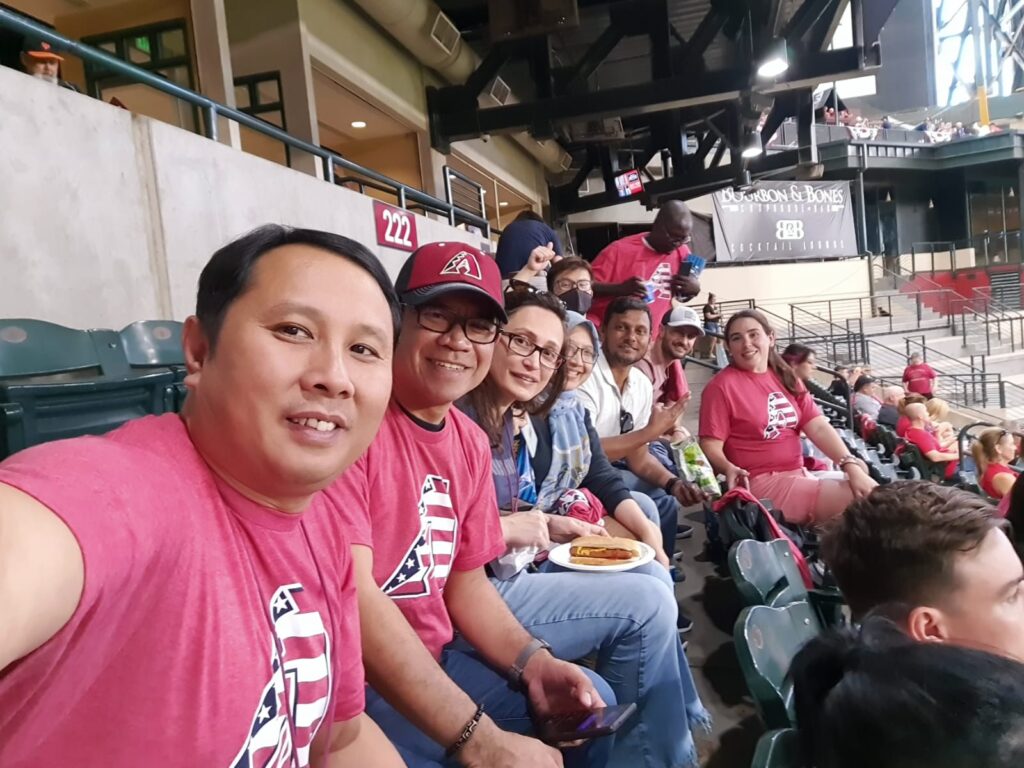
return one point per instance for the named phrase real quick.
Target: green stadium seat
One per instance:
(57, 382)
(153, 343)
(766, 574)
(157, 344)
(767, 640)
(778, 749)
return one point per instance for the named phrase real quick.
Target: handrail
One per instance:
(212, 110)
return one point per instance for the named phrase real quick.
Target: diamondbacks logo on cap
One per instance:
(463, 263)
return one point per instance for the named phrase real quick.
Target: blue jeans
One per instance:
(628, 621)
(507, 708)
(668, 507)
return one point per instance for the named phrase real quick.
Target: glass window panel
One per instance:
(273, 117)
(109, 47)
(139, 50)
(177, 75)
(267, 92)
(172, 44)
(242, 96)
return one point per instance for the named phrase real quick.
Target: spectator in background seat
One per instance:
(903, 423)
(936, 560)
(993, 451)
(751, 417)
(918, 434)
(523, 237)
(865, 397)
(918, 377)
(713, 324)
(873, 697)
(889, 413)
(40, 60)
(938, 422)
(170, 612)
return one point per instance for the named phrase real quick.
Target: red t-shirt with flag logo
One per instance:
(632, 257)
(757, 418)
(424, 502)
(211, 631)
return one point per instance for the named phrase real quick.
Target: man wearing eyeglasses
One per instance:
(421, 511)
(647, 265)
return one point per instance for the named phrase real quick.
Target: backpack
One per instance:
(740, 515)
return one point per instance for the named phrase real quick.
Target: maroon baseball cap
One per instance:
(438, 269)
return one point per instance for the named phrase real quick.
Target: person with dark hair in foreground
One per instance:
(751, 417)
(175, 592)
(873, 698)
(937, 558)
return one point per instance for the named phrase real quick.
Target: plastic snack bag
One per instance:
(695, 467)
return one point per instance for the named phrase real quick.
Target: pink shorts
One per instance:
(803, 498)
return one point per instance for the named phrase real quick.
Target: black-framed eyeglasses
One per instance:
(522, 346)
(625, 422)
(564, 284)
(586, 355)
(479, 330)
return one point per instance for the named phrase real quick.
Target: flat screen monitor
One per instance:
(628, 183)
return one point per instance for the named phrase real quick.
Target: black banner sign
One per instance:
(784, 220)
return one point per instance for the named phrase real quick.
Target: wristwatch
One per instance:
(515, 672)
(670, 485)
(849, 459)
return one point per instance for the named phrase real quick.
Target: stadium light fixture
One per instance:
(752, 145)
(775, 60)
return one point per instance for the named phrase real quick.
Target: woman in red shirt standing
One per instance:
(751, 417)
(918, 377)
(993, 451)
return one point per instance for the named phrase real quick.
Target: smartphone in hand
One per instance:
(559, 729)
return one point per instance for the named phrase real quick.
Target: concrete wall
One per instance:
(776, 285)
(350, 47)
(109, 217)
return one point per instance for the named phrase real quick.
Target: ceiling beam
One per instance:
(455, 116)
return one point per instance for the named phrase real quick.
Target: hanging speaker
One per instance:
(511, 19)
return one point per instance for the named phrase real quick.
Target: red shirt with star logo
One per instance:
(424, 502)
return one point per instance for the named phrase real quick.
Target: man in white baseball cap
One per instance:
(662, 364)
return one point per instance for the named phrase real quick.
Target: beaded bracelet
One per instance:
(467, 732)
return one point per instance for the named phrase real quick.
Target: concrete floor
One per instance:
(710, 599)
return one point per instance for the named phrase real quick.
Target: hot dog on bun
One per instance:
(603, 550)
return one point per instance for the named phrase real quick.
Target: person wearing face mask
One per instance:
(539, 462)
(40, 60)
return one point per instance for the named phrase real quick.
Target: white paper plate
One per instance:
(560, 556)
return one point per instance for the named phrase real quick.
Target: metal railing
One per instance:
(887, 313)
(985, 249)
(464, 193)
(405, 196)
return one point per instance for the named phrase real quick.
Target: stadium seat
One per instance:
(153, 343)
(156, 344)
(767, 640)
(778, 749)
(766, 574)
(57, 382)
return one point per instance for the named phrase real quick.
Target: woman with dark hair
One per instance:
(801, 359)
(627, 620)
(874, 697)
(751, 417)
